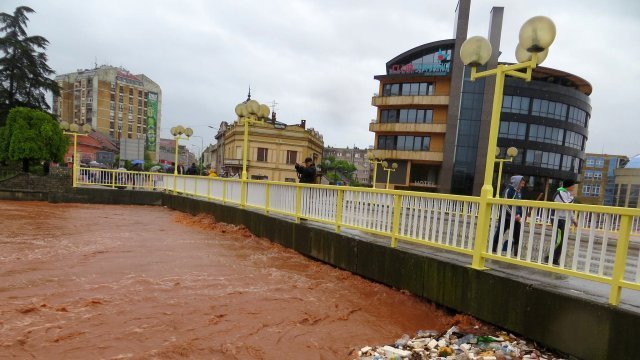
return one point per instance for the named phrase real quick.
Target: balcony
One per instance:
(407, 127)
(410, 100)
(434, 156)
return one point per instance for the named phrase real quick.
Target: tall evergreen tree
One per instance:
(24, 73)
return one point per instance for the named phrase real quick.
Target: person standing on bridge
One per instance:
(306, 173)
(511, 192)
(564, 194)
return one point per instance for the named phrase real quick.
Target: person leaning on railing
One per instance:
(306, 173)
(511, 192)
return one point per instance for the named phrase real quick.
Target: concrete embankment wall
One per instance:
(573, 325)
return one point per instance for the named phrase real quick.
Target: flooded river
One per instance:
(102, 282)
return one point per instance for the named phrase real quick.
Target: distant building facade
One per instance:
(115, 102)
(274, 148)
(627, 184)
(433, 121)
(597, 184)
(357, 157)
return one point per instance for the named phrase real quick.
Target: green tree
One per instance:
(24, 73)
(338, 170)
(31, 135)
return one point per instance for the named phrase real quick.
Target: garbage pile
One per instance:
(453, 345)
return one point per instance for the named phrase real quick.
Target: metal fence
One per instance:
(603, 247)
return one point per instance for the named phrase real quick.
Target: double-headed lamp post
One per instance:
(249, 112)
(388, 169)
(375, 161)
(75, 130)
(177, 132)
(536, 35)
(511, 153)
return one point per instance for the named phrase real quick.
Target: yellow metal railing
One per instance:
(604, 247)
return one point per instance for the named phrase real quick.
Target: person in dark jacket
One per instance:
(192, 170)
(511, 192)
(306, 172)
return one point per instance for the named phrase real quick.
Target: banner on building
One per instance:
(152, 120)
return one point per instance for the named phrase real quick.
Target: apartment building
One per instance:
(597, 184)
(114, 101)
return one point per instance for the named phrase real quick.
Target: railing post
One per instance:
(267, 196)
(113, 178)
(243, 193)
(298, 202)
(620, 262)
(175, 183)
(482, 230)
(339, 202)
(395, 229)
(225, 183)
(209, 181)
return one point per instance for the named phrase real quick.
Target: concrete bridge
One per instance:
(426, 244)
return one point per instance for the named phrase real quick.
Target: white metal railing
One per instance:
(603, 247)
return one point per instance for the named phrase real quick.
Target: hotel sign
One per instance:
(433, 69)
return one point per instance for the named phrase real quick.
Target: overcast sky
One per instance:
(317, 59)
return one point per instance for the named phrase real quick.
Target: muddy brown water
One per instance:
(106, 282)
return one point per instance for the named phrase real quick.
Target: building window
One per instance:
(590, 162)
(577, 116)
(634, 191)
(512, 130)
(543, 159)
(595, 190)
(404, 142)
(588, 174)
(574, 140)
(408, 89)
(597, 175)
(292, 157)
(546, 134)
(586, 190)
(599, 163)
(515, 104)
(550, 109)
(262, 154)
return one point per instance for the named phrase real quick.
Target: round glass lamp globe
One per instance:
(475, 51)
(264, 111)
(523, 55)
(74, 127)
(188, 132)
(64, 125)
(86, 128)
(512, 152)
(394, 166)
(537, 33)
(253, 106)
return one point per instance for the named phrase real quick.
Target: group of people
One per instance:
(564, 194)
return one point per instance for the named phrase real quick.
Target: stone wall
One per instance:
(54, 182)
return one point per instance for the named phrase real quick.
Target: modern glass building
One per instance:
(434, 122)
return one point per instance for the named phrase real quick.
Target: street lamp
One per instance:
(385, 166)
(375, 162)
(536, 35)
(177, 132)
(74, 129)
(511, 153)
(249, 112)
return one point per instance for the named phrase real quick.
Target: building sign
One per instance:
(127, 78)
(105, 157)
(441, 66)
(152, 123)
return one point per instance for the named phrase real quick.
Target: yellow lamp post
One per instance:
(536, 35)
(177, 132)
(511, 153)
(385, 166)
(249, 112)
(74, 129)
(375, 160)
